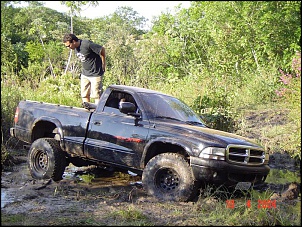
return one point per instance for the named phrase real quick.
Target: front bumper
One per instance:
(222, 172)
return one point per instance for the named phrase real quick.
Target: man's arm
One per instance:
(103, 57)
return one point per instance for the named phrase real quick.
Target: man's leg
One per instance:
(85, 100)
(96, 88)
(85, 89)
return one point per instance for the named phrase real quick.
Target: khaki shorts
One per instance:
(91, 87)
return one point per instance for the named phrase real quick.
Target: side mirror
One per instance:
(128, 108)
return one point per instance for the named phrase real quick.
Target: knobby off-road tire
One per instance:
(168, 177)
(46, 159)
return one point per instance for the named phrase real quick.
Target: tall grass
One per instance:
(62, 89)
(11, 94)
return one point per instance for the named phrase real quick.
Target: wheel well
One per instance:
(161, 147)
(43, 129)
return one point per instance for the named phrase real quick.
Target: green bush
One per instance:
(11, 94)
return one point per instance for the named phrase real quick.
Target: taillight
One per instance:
(16, 115)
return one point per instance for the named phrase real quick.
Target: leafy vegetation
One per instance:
(218, 57)
(222, 58)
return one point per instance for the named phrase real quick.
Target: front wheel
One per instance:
(168, 177)
(46, 159)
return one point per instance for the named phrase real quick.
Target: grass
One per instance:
(87, 178)
(208, 210)
(273, 127)
(13, 219)
(130, 216)
(282, 177)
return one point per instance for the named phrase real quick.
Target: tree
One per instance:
(119, 32)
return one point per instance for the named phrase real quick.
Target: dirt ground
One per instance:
(73, 200)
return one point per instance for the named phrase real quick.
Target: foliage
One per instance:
(64, 90)
(232, 39)
(289, 93)
(87, 178)
(11, 94)
(217, 57)
(75, 6)
(282, 177)
(131, 216)
(132, 22)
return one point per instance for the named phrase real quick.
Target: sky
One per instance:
(147, 9)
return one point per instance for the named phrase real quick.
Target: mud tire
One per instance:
(46, 159)
(168, 177)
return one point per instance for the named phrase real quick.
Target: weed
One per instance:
(87, 178)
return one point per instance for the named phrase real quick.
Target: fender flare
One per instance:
(168, 140)
(56, 122)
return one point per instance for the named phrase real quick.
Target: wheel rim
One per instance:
(41, 161)
(167, 180)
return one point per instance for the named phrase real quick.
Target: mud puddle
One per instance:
(17, 184)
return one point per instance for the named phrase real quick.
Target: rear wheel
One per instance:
(46, 159)
(168, 177)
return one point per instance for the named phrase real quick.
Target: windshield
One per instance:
(163, 106)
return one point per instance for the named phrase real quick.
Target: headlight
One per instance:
(216, 153)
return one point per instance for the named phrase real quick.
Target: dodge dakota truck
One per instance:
(152, 134)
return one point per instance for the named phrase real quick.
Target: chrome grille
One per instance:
(245, 155)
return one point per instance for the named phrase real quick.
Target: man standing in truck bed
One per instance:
(92, 57)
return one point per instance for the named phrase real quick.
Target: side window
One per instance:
(112, 103)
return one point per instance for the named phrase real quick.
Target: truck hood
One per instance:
(207, 136)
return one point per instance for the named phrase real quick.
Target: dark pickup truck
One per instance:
(152, 134)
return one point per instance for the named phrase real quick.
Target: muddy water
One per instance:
(8, 193)
(7, 196)
(19, 178)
